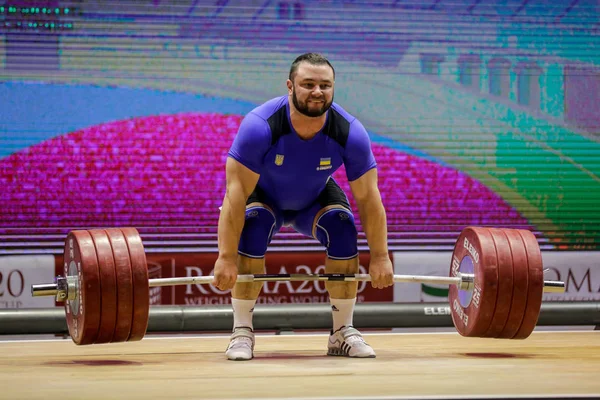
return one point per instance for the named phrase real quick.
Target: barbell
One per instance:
(496, 284)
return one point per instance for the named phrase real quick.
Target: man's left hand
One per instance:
(382, 272)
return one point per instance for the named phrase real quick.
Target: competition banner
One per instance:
(168, 265)
(579, 270)
(194, 264)
(18, 273)
(426, 263)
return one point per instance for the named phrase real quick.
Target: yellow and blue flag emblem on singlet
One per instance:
(324, 163)
(278, 159)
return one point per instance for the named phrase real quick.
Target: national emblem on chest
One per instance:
(317, 158)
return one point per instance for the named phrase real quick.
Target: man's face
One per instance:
(312, 89)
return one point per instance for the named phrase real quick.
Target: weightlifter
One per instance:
(278, 173)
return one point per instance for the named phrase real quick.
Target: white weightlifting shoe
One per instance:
(241, 346)
(348, 342)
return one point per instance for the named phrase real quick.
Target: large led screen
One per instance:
(120, 113)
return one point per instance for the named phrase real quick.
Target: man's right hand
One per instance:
(225, 274)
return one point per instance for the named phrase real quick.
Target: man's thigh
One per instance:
(331, 197)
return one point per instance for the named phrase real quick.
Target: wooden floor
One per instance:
(294, 366)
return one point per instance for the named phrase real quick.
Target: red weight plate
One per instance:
(474, 252)
(81, 265)
(505, 283)
(535, 288)
(520, 284)
(108, 285)
(141, 290)
(124, 284)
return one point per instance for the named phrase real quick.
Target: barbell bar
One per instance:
(61, 288)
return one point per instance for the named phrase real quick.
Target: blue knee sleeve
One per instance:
(258, 230)
(337, 232)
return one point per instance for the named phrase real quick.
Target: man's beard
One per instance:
(303, 108)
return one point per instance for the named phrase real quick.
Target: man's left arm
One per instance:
(373, 218)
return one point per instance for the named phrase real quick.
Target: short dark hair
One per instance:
(311, 58)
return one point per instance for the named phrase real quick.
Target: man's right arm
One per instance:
(240, 182)
(242, 171)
